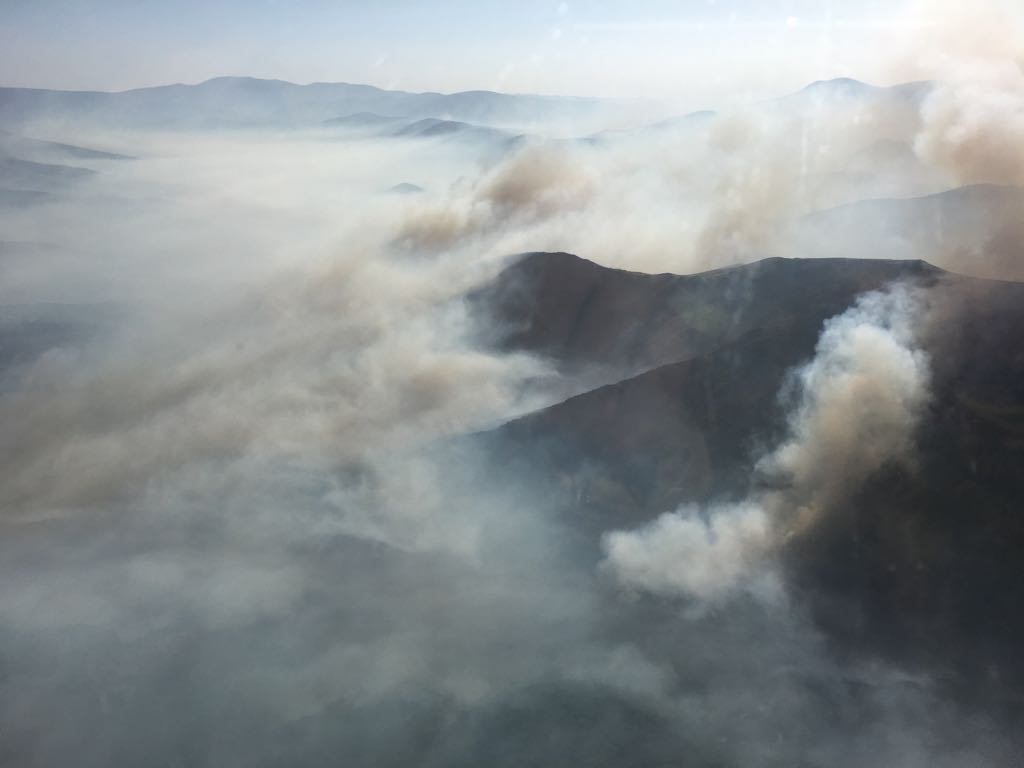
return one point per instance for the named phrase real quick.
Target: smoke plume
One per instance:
(858, 403)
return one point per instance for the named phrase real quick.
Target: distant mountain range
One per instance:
(247, 102)
(241, 102)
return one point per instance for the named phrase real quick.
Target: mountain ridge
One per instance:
(595, 321)
(892, 571)
(252, 102)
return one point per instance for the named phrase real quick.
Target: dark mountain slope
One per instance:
(584, 316)
(927, 562)
(919, 564)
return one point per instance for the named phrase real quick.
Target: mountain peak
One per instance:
(839, 83)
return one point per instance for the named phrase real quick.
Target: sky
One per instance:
(690, 52)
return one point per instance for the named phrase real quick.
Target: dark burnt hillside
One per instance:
(922, 564)
(585, 316)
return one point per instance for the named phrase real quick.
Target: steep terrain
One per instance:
(585, 317)
(920, 564)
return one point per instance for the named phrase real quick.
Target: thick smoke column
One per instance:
(859, 401)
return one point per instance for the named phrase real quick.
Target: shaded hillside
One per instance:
(926, 562)
(681, 432)
(584, 316)
(896, 569)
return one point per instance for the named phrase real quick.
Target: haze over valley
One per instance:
(365, 425)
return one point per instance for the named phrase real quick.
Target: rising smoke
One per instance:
(859, 401)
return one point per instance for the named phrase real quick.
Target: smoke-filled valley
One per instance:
(351, 426)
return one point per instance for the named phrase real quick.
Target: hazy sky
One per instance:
(694, 52)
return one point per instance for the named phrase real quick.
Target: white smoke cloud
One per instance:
(702, 553)
(859, 401)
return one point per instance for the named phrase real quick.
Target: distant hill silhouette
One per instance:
(241, 102)
(973, 229)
